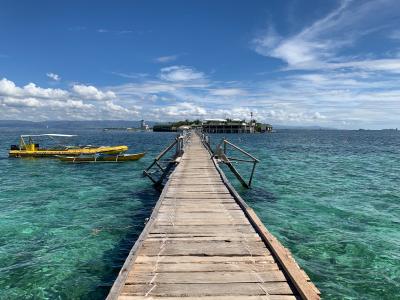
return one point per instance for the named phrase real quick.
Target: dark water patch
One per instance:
(116, 257)
(258, 195)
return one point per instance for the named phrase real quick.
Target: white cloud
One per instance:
(395, 34)
(180, 73)
(8, 88)
(166, 59)
(24, 102)
(180, 110)
(103, 30)
(90, 92)
(53, 76)
(74, 104)
(331, 97)
(131, 75)
(115, 107)
(32, 90)
(33, 102)
(227, 92)
(319, 46)
(305, 48)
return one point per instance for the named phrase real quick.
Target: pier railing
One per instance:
(206, 140)
(220, 153)
(168, 158)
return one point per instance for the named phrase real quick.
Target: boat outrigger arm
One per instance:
(28, 148)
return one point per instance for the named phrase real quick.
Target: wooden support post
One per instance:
(252, 173)
(158, 165)
(234, 171)
(224, 146)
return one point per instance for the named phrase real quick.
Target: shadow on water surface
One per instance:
(256, 195)
(113, 259)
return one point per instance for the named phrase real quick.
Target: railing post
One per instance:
(224, 146)
(221, 154)
(252, 173)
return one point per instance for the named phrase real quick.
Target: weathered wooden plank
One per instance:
(242, 297)
(207, 214)
(206, 219)
(205, 237)
(179, 182)
(199, 196)
(188, 193)
(209, 289)
(219, 249)
(203, 229)
(204, 259)
(226, 208)
(231, 238)
(201, 205)
(204, 244)
(187, 220)
(201, 188)
(206, 277)
(203, 267)
(196, 177)
(199, 222)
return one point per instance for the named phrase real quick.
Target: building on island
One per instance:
(144, 126)
(227, 126)
(234, 126)
(265, 128)
(216, 126)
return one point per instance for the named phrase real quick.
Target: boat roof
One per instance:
(49, 134)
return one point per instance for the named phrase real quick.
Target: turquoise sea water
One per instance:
(332, 197)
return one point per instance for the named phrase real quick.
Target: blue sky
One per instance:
(295, 62)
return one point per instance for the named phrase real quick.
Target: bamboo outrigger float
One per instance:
(102, 158)
(28, 148)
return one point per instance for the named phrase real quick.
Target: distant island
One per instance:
(215, 126)
(140, 125)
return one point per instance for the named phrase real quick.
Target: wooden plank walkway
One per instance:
(203, 242)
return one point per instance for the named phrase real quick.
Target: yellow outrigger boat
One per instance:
(31, 149)
(102, 158)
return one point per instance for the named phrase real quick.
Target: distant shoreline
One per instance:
(100, 124)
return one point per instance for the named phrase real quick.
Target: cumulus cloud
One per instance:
(328, 98)
(90, 92)
(8, 88)
(115, 107)
(180, 73)
(18, 102)
(53, 76)
(47, 103)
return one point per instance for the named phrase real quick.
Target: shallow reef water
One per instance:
(332, 197)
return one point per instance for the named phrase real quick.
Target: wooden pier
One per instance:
(203, 242)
